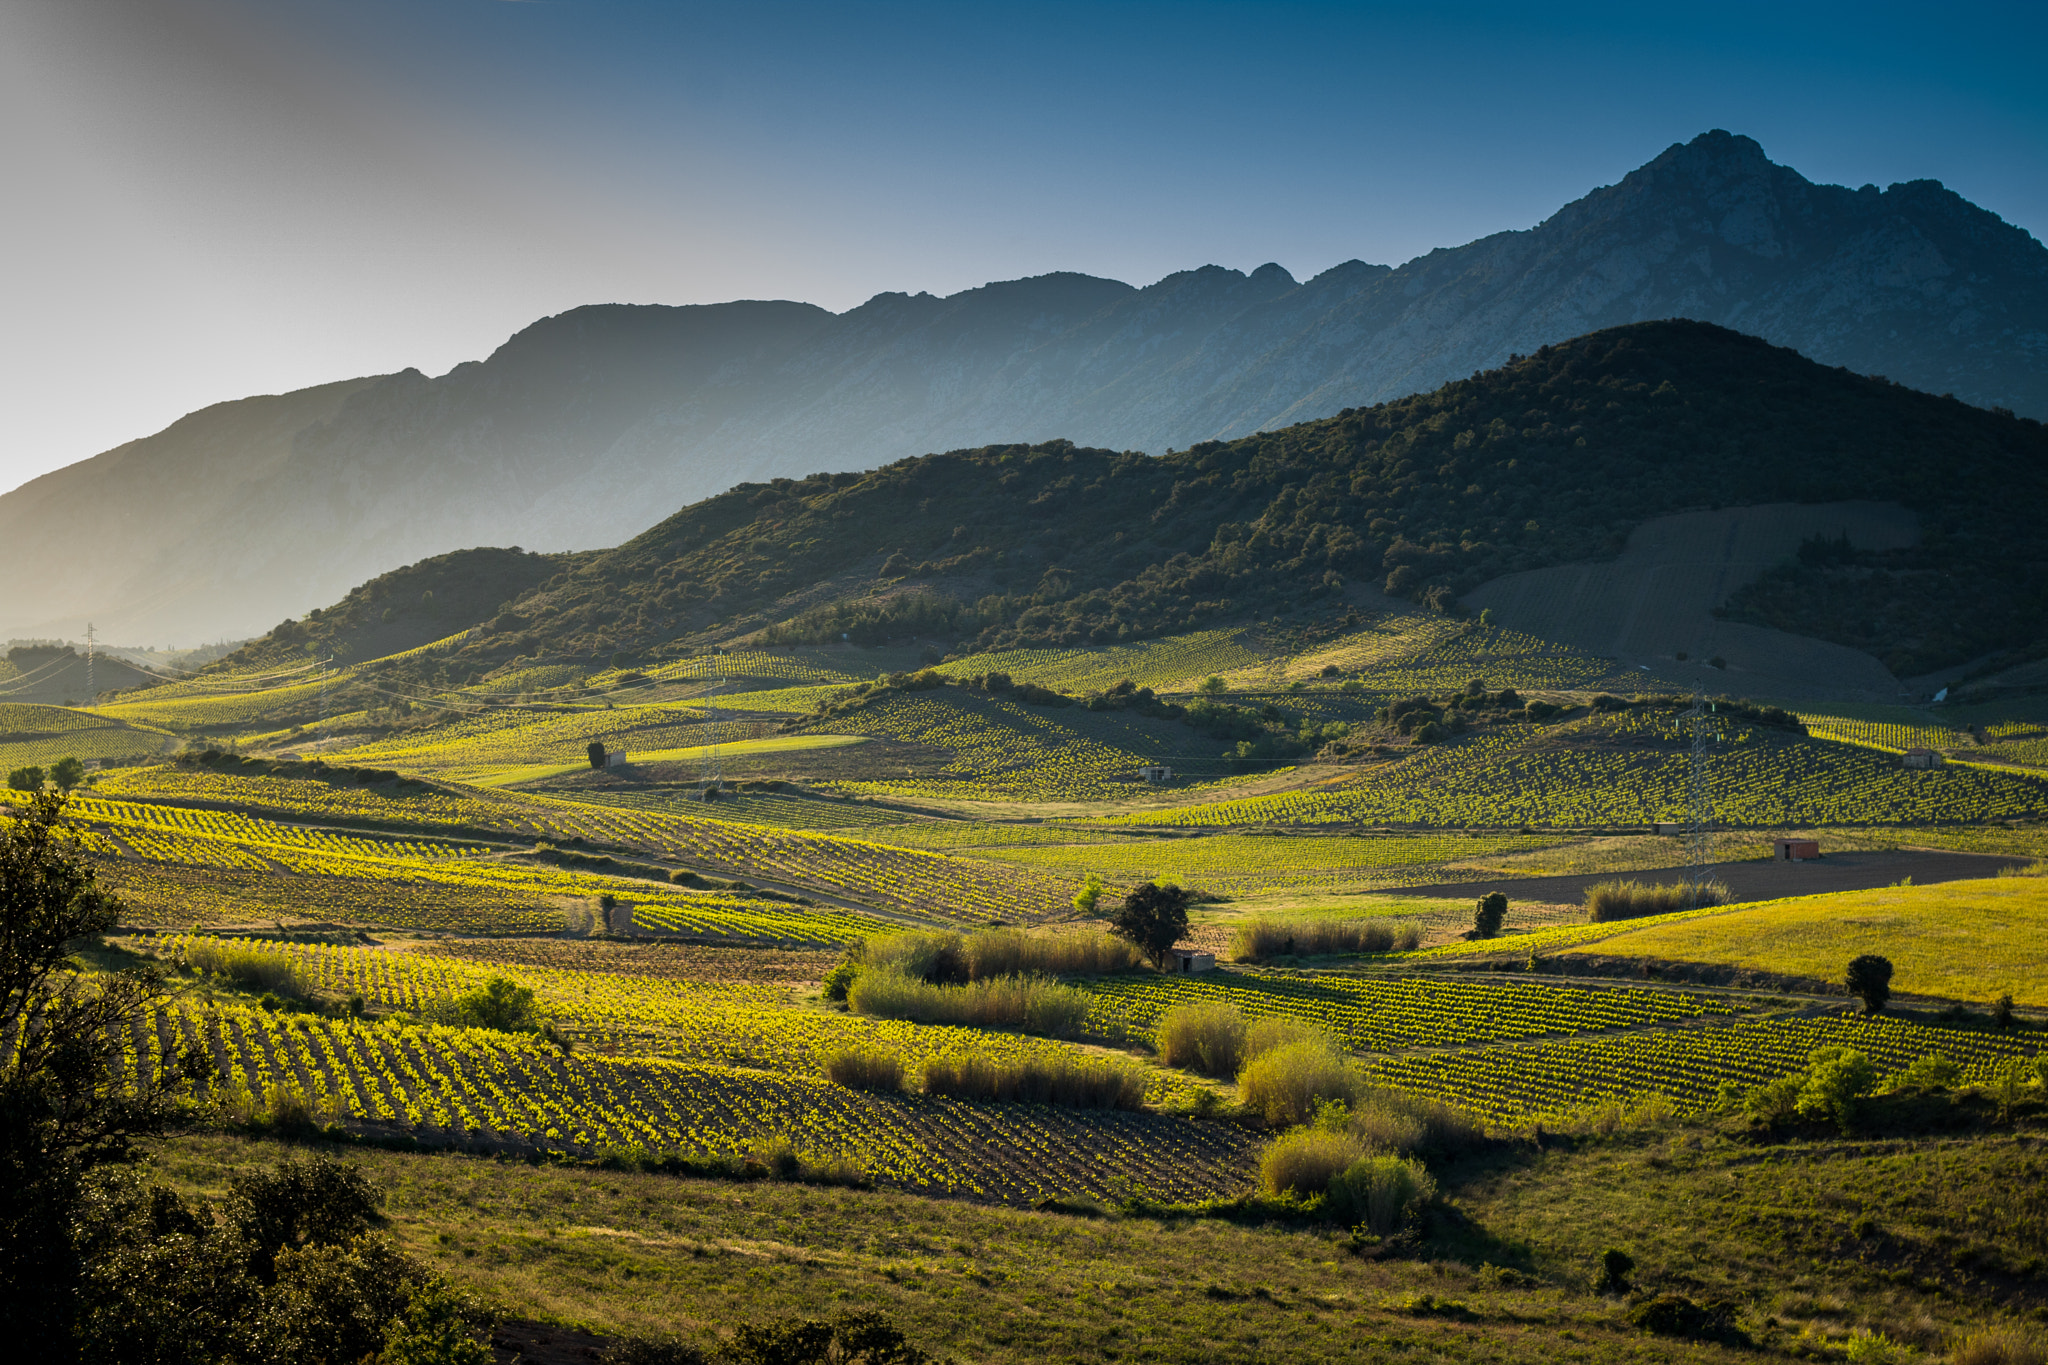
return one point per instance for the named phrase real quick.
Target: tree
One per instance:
(500, 1004)
(596, 754)
(1212, 686)
(67, 773)
(29, 779)
(1869, 979)
(1486, 921)
(1153, 918)
(65, 1110)
(1086, 899)
(1836, 1080)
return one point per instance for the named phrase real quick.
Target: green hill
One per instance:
(1549, 460)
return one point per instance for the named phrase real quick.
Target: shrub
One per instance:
(1283, 1084)
(28, 779)
(1207, 1036)
(840, 979)
(1035, 1004)
(1931, 1072)
(1268, 936)
(863, 1336)
(859, 1068)
(1075, 1082)
(1869, 979)
(1629, 899)
(253, 969)
(1304, 1161)
(500, 1004)
(1012, 952)
(1090, 893)
(1675, 1315)
(1616, 1266)
(1378, 1191)
(1492, 911)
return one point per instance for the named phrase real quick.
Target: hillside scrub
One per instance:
(944, 958)
(1035, 1004)
(865, 1068)
(1303, 1162)
(1377, 1191)
(1270, 936)
(1072, 1082)
(1393, 1121)
(1617, 900)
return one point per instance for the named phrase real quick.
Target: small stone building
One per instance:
(1156, 773)
(1920, 758)
(1795, 850)
(1188, 960)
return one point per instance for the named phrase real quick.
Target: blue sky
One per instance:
(225, 197)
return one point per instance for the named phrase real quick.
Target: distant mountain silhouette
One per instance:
(588, 427)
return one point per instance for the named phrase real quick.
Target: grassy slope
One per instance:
(1970, 940)
(1769, 1228)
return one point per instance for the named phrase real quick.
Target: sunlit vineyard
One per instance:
(1885, 734)
(1376, 1015)
(478, 1086)
(41, 735)
(1687, 1066)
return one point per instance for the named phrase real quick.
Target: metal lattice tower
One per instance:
(714, 760)
(1699, 841)
(92, 691)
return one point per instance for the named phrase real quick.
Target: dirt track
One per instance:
(1751, 881)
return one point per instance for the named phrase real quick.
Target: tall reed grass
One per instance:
(1074, 1082)
(1304, 1161)
(1035, 1004)
(1269, 936)
(254, 969)
(1631, 899)
(865, 1068)
(1283, 1084)
(1377, 1191)
(947, 958)
(1206, 1036)
(1392, 1121)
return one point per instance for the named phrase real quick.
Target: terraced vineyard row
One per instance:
(474, 1086)
(185, 896)
(1885, 734)
(1685, 1066)
(1508, 777)
(728, 1024)
(304, 799)
(1384, 1015)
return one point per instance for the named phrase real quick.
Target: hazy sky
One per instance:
(207, 199)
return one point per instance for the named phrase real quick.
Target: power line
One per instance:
(1700, 831)
(92, 692)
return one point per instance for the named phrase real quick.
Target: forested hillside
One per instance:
(1548, 460)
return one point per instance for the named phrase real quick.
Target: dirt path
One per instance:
(1750, 881)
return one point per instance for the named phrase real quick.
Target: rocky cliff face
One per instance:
(588, 427)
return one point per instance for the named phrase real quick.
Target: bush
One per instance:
(1277, 1030)
(858, 1337)
(1207, 1036)
(1378, 1190)
(1491, 913)
(860, 1068)
(1152, 919)
(1869, 979)
(1074, 1082)
(500, 1004)
(1036, 1004)
(253, 969)
(1675, 1315)
(1931, 1072)
(840, 979)
(1268, 936)
(1305, 1161)
(1616, 1266)
(1615, 900)
(1283, 1084)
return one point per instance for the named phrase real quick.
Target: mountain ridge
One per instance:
(582, 427)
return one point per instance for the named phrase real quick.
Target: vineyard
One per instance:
(41, 735)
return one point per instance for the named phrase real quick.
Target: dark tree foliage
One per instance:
(1869, 979)
(864, 1338)
(1153, 918)
(597, 754)
(1616, 1266)
(1486, 920)
(64, 1111)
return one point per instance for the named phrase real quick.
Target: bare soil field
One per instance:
(1753, 881)
(1655, 601)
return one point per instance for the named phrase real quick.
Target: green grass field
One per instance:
(1973, 940)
